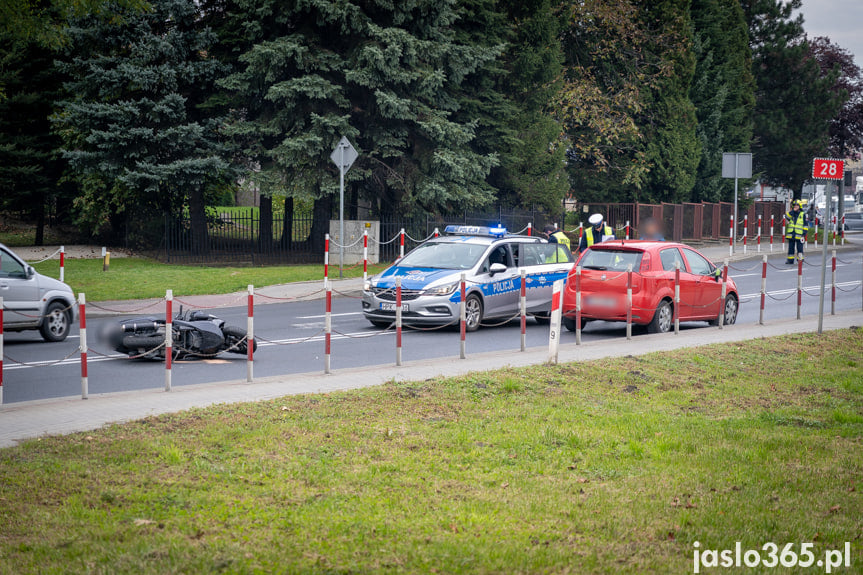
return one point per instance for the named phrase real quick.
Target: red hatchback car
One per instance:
(603, 285)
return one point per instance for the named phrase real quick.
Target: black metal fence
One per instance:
(238, 237)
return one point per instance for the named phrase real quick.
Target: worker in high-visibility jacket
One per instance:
(796, 227)
(556, 236)
(598, 232)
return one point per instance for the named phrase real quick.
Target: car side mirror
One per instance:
(30, 272)
(496, 269)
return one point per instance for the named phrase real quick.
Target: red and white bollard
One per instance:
(799, 287)
(169, 339)
(722, 294)
(402, 243)
(1, 351)
(731, 237)
(759, 233)
(677, 297)
(627, 230)
(529, 229)
(745, 231)
(629, 302)
(250, 336)
(328, 328)
(462, 316)
(326, 260)
(522, 306)
(398, 321)
(833, 286)
(580, 232)
(62, 263)
(578, 305)
(842, 230)
(771, 232)
(816, 231)
(763, 292)
(436, 233)
(783, 227)
(366, 256)
(834, 231)
(554, 325)
(82, 343)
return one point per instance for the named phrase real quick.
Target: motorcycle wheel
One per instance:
(235, 334)
(144, 345)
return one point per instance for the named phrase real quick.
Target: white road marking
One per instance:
(322, 316)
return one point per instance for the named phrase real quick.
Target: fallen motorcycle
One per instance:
(194, 334)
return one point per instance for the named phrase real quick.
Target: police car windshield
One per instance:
(444, 255)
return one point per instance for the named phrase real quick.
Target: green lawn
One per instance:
(136, 278)
(614, 466)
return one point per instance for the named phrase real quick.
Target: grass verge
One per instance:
(138, 278)
(614, 466)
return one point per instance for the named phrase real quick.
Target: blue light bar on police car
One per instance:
(496, 231)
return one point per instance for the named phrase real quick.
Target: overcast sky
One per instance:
(839, 20)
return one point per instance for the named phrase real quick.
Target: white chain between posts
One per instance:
(45, 259)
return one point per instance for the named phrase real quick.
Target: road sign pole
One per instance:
(341, 209)
(823, 264)
(734, 231)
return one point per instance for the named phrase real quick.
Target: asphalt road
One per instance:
(291, 337)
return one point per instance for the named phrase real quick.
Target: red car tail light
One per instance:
(645, 262)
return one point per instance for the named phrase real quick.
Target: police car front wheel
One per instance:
(473, 312)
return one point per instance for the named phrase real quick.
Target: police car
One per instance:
(491, 260)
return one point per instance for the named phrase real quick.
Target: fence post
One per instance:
(82, 342)
(1, 351)
(799, 286)
(62, 263)
(833, 286)
(169, 339)
(365, 257)
(462, 317)
(759, 233)
(771, 232)
(723, 293)
(328, 328)
(578, 305)
(745, 230)
(677, 297)
(401, 243)
(731, 237)
(398, 321)
(250, 337)
(629, 302)
(522, 306)
(554, 327)
(326, 260)
(763, 291)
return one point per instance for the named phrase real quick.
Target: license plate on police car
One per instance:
(392, 307)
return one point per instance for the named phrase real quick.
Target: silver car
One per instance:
(34, 301)
(491, 260)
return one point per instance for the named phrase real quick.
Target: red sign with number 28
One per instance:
(828, 169)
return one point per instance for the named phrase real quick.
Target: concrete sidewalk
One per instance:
(26, 420)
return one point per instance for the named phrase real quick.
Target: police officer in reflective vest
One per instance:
(796, 227)
(598, 232)
(555, 236)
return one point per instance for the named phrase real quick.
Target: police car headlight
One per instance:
(442, 290)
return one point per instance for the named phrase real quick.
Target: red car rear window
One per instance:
(611, 259)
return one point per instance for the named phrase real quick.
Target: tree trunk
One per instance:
(354, 200)
(321, 214)
(288, 224)
(198, 217)
(265, 237)
(40, 220)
